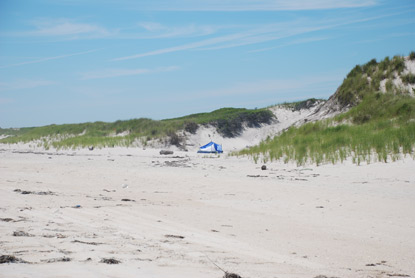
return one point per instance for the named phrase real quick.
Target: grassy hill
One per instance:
(379, 126)
(229, 122)
(386, 76)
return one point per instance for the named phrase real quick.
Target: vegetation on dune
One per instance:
(86, 134)
(408, 78)
(13, 131)
(379, 127)
(304, 104)
(229, 122)
(383, 127)
(367, 78)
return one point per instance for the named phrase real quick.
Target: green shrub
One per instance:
(306, 104)
(174, 139)
(352, 90)
(384, 64)
(412, 55)
(298, 105)
(408, 78)
(233, 125)
(191, 127)
(357, 70)
(370, 67)
(361, 118)
(389, 86)
(398, 64)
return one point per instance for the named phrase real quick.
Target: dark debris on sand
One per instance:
(25, 192)
(7, 219)
(174, 236)
(86, 242)
(4, 259)
(127, 200)
(21, 233)
(256, 176)
(56, 260)
(110, 261)
(166, 152)
(231, 275)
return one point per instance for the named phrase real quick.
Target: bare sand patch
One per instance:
(188, 210)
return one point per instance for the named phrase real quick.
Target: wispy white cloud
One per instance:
(110, 73)
(183, 47)
(21, 84)
(260, 34)
(250, 5)
(63, 28)
(265, 33)
(70, 29)
(48, 59)
(254, 36)
(157, 30)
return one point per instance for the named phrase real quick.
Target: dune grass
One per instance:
(367, 78)
(298, 105)
(228, 122)
(380, 128)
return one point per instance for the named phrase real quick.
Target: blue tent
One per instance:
(211, 148)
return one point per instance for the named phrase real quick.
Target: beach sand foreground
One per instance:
(66, 213)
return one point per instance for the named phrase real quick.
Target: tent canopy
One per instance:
(211, 147)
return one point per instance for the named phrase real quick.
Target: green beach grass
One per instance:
(229, 122)
(378, 127)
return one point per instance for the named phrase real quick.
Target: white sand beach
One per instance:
(179, 215)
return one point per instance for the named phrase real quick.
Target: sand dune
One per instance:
(172, 216)
(284, 118)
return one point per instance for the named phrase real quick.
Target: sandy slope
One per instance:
(342, 220)
(250, 136)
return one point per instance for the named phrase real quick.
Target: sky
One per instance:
(73, 61)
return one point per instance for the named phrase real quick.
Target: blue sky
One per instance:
(74, 61)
